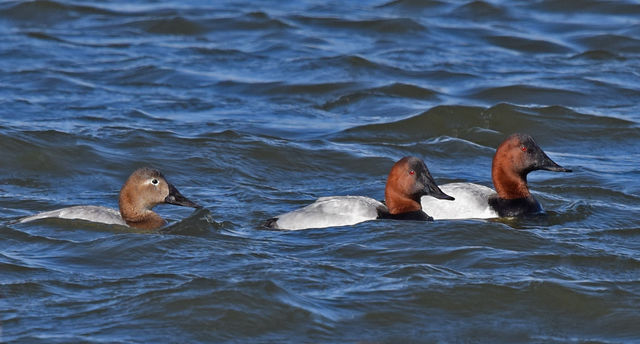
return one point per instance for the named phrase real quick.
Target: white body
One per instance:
(330, 212)
(83, 212)
(471, 202)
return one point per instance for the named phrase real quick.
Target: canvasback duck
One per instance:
(408, 180)
(516, 156)
(144, 189)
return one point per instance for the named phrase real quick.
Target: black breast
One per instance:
(515, 207)
(412, 215)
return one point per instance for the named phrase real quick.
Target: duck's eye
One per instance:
(523, 148)
(412, 172)
(154, 181)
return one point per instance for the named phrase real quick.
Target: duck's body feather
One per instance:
(82, 212)
(330, 212)
(471, 202)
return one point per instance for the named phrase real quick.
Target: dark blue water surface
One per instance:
(254, 108)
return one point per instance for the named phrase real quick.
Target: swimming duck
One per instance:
(516, 156)
(144, 189)
(408, 180)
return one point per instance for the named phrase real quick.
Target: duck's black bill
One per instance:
(434, 191)
(441, 195)
(550, 165)
(431, 188)
(175, 197)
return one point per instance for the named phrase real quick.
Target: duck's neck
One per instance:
(147, 220)
(509, 184)
(399, 204)
(139, 216)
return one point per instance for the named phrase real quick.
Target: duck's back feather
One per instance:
(471, 202)
(83, 212)
(329, 212)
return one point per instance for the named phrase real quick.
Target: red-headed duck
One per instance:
(144, 189)
(408, 180)
(516, 156)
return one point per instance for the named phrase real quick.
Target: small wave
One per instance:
(319, 88)
(200, 223)
(406, 90)
(392, 90)
(225, 54)
(44, 36)
(413, 4)
(352, 61)
(477, 10)
(626, 7)
(528, 45)
(54, 150)
(527, 94)
(379, 25)
(153, 75)
(170, 26)
(257, 20)
(423, 272)
(489, 126)
(598, 55)
(173, 24)
(545, 296)
(611, 42)
(349, 65)
(593, 264)
(47, 11)
(438, 121)
(52, 80)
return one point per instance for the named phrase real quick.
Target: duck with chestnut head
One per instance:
(408, 180)
(515, 158)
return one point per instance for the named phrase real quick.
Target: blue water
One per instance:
(255, 108)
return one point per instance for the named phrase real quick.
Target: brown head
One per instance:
(409, 180)
(145, 189)
(516, 156)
